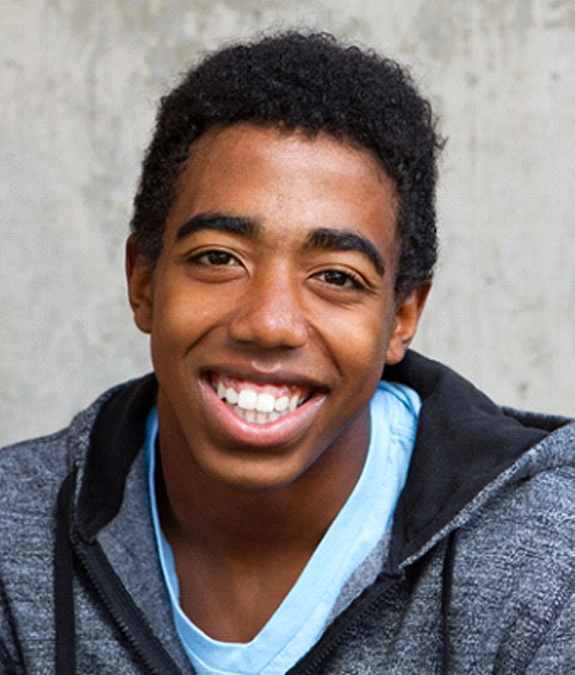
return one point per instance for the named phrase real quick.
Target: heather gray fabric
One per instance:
(510, 599)
(364, 576)
(30, 474)
(480, 576)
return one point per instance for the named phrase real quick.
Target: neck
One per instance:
(222, 518)
(239, 552)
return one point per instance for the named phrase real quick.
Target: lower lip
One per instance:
(279, 432)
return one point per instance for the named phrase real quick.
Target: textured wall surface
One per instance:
(78, 85)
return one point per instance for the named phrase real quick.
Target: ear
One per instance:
(139, 275)
(407, 315)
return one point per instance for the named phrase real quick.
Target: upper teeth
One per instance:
(264, 402)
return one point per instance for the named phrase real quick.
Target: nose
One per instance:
(270, 314)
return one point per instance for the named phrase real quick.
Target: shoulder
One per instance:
(512, 570)
(27, 470)
(32, 471)
(513, 562)
(531, 506)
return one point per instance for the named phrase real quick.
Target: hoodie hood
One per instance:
(464, 441)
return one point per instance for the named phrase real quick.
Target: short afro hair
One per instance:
(312, 84)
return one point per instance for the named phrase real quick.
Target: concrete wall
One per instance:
(78, 85)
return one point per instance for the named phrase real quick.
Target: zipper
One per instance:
(123, 610)
(372, 599)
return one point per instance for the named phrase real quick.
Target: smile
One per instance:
(259, 403)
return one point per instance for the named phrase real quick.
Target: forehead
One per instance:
(266, 173)
(228, 145)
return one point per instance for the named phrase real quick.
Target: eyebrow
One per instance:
(325, 239)
(343, 240)
(245, 227)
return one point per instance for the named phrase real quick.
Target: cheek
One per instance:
(359, 344)
(176, 324)
(180, 310)
(184, 320)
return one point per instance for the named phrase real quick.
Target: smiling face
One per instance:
(271, 308)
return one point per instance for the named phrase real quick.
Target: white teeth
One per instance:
(265, 402)
(253, 407)
(282, 403)
(247, 399)
(239, 412)
(231, 395)
(255, 416)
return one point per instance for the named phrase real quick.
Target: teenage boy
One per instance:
(292, 489)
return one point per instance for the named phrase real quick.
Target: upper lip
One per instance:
(248, 373)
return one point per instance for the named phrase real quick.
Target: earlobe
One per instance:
(139, 273)
(406, 321)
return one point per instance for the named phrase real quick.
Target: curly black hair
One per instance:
(312, 84)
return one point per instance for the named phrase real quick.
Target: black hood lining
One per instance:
(464, 441)
(117, 438)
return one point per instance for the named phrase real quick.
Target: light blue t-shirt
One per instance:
(356, 531)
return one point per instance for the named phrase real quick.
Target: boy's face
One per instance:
(274, 289)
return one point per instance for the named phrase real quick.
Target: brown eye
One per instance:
(216, 258)
(338, 278)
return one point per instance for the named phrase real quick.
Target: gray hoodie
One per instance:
(480, 575)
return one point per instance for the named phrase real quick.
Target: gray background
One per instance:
(78, 84)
